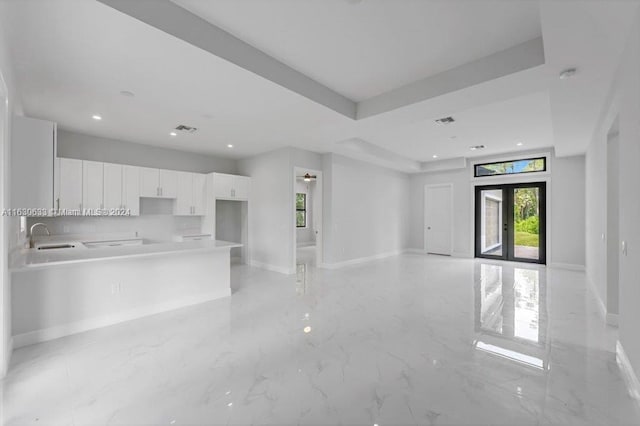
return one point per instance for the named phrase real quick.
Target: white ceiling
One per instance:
(73, 57)
(370, 47)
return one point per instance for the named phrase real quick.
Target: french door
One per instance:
(510, 222)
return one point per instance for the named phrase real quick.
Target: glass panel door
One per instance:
(491, 222)
(510, 222)
(526, 220)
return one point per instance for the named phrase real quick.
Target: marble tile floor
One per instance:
(412, 339)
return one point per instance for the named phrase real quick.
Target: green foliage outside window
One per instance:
(301, 210)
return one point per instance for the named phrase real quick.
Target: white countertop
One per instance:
(29, 259)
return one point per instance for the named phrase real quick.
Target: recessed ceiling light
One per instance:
(173, 134)
(229, 146)
(96, 117)
(435, 156)
(519, 144)
(568, 73)
(127, 93)
(307, 329)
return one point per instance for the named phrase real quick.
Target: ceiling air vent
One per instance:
(445, 120)
(186, 129)
(476, 147)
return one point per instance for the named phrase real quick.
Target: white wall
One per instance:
(270, 209)
(565, 208)
(566, 220)
(95, 148)
(367, 210)
(623, 107)
(462, 209)
(629, 145)
(10, 105)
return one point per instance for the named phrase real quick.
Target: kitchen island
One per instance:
(58, 292)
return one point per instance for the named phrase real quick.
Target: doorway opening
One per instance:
(511, 222)
(307, 196)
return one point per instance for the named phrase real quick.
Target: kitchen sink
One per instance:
(56, 246)
(114, 243)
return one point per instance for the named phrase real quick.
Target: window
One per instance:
(301, 210)
(529, 165)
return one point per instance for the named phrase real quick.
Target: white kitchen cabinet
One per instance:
(33, 158)
(240, 187)
(121, 188)
(112, 186)
(68, 184)
(231, 187)
(131, 189)
(168, 183)
(158, 183)
(184, 205)
(149, 182)
(92, 185)
(190, 194)
(199, 185)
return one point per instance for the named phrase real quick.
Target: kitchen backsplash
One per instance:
(155, 222)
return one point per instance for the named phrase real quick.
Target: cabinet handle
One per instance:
(58, 204)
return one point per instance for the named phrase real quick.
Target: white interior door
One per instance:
(437, 218)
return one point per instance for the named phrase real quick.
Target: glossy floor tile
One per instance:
(410, 340)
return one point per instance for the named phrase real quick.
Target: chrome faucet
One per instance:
(31, 232)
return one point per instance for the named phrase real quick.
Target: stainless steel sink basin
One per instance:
(56, 246)
(114, 243)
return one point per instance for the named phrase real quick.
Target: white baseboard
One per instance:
(629, 375)
(305, 244)
(361, 260)
(602, 308)
(462, 255)
(568, 266)
(274, 268)
(58, 331)
(4, 368)
(612, 319)
(414, 251)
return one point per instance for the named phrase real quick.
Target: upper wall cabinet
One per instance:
(33, 153)
(158, 183)
(231, 187)
(92, 185)
(122, 188)
(190, 194)
(68, 185)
